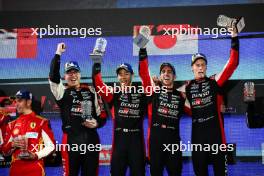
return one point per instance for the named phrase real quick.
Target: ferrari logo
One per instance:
(32, 125)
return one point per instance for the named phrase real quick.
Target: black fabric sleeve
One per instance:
(235, 43)
(54, 74)
(142, 54)
(96, 69)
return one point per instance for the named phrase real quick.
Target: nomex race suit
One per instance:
(128, 111)
(74, 133)
(204, 100)
(164, 111)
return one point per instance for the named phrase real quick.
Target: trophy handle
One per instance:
(240, 25)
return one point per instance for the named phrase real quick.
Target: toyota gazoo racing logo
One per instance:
(124, 110)
(197, 101)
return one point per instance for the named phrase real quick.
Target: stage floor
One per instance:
(239, 169)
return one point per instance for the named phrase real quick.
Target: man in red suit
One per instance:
(28, 138)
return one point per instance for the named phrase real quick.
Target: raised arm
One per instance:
(144, 70)
(231, 64)
(101, 88)
(56, 86)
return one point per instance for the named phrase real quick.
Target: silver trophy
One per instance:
(143, 37)
(224, 21)
(99, 50)
(249, 92)
(86, 109)
(24, 154)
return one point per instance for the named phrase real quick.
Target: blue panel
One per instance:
(120, 49)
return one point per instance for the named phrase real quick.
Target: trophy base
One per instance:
(23, 155)
(141, 41)
(96, 58)
(249, 99)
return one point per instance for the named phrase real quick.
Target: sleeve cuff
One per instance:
(142, 53)
(235, 43)
(96, 68)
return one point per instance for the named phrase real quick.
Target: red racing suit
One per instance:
(40, 141)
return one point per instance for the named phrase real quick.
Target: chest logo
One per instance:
(32, 125)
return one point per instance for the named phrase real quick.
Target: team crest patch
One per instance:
(32, 125)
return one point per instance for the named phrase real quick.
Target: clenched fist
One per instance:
(156, 80)
(233, 30)
(61, 47)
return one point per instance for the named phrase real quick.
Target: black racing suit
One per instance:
(165, 109)
(74, 133)
(128, 110)
(205, 100)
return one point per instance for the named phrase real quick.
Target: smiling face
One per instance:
(22, 105)
(199, 69)
(167, 77)
(124, 77)
(73, 78)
